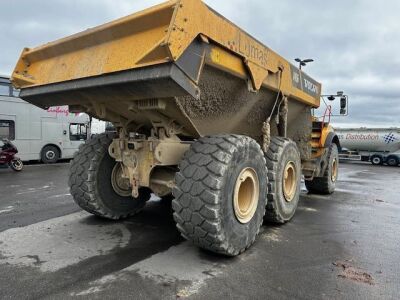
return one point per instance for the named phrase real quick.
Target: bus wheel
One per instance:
(50, 154)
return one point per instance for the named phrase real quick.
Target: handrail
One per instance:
(328, 112)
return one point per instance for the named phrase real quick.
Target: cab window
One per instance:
(7, 129)
(78, 132)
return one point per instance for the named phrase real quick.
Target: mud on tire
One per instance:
(326, 184)
(90, 182)
(281, 152)
(205, 188)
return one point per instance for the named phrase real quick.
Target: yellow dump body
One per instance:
(181, 59)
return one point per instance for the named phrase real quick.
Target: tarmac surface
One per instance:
(343, 246)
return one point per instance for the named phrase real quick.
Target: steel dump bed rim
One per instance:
(160, 35)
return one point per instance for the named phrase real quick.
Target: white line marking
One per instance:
(7, 209)
(59, 196)
(33, 190)
(307, 209)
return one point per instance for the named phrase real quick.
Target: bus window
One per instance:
(4, 89)
(7, 130)
(78, 132)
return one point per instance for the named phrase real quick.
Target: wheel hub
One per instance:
(17, 165)
(120, 184)
(289, 181)
(334, 170)
(246, 194)
(50, 155)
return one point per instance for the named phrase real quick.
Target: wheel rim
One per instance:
(376, 160)
(392, 162)
(246, 194)
(50, 154)
(334, 170)
(120, 184)
(289, 181)
(17, 165)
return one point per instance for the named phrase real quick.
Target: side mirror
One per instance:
(331, 98)
(343, 106)
(65, 132)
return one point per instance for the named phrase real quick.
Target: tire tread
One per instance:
(198, 184)
(82, 182)
(273, 155)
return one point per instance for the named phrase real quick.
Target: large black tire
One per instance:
(204, 208)
(50, 154)
(392, 161)
(377, 160)
(326, 184)
(282, 153)
(90, 182)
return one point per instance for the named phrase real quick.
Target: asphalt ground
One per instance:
(343, 246)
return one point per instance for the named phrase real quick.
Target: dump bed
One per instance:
(177, 56)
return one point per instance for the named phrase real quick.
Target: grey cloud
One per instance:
(27, 23)
(355, 44)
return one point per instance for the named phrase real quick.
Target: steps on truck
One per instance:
(316, 135)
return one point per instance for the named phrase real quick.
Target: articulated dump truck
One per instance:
(205, 115)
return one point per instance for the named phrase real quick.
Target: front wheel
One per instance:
(17, 165)
(326, 184)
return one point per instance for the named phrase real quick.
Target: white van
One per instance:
(46, 135)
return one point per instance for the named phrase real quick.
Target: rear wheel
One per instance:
(220, 195)
(284, 175)
(50, 154)
(392, 161)
(327, 183)
(96, 184)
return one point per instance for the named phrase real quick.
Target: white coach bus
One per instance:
(39, 134)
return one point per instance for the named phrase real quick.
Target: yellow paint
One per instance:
(319, 147)
(154, 36)
(318, 153)
(324, 134)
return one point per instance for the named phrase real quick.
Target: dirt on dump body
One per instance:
(223, 94)
(353, 273)
(226, 105)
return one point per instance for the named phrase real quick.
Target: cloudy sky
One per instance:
(355, 44)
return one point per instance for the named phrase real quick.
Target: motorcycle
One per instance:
(8, 158)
